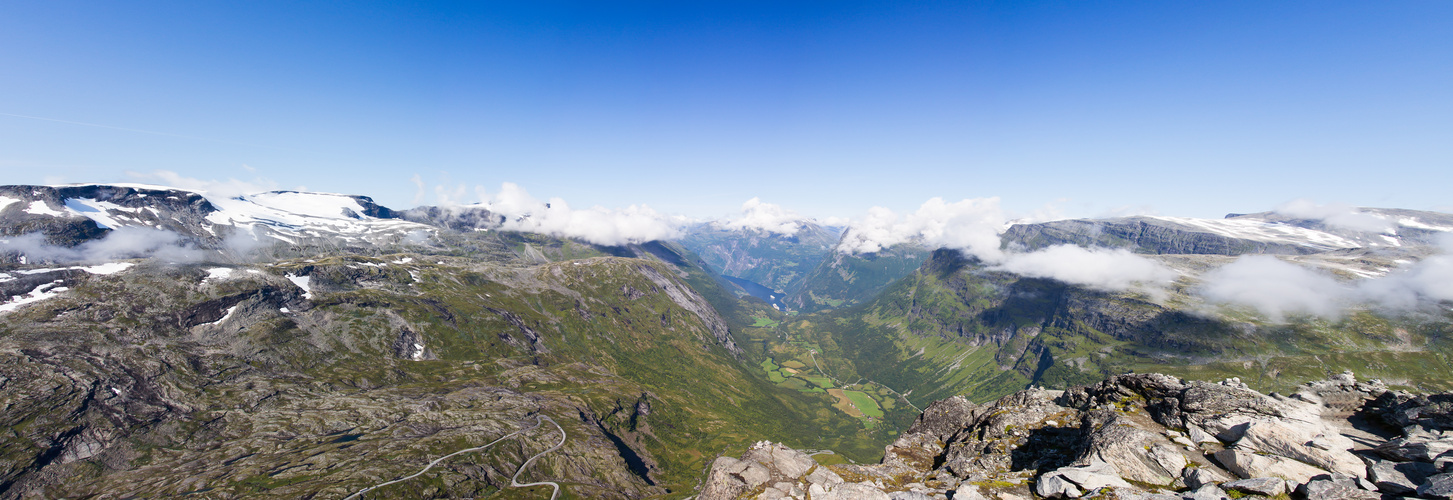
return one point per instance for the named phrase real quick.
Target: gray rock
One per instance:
(1439, 486)
(1196, 477)
(1092, 477)
(1312, 443)
(1207, 492)
(1248, 465)
(1335, 487)
(908, 495)
(824, 476)
(967, 491)
(1399, 477)
(1418, 446)
(1135, 454)
(853, 491)
(1199, 436)
(1265, 486)
(778, 458)
(946, 417)
(1056, 486)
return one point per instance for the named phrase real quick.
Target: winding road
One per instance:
(540, 418)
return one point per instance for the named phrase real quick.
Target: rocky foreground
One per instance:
(1140, 436)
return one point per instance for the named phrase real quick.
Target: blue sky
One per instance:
(1182, 108)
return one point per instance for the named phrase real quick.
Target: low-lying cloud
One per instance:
(1274, 287)
(119, 243)
(599, 225)
(974, 226)
(1337, 215)
(1102, 268)
(768, 217)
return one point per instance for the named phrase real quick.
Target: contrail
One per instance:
(137, 130)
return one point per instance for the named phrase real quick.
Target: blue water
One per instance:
(768, 295)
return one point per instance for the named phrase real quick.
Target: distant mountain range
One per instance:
(160, 342)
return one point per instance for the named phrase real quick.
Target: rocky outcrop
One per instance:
(1143, 436)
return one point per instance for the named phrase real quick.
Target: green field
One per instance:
(865, 403)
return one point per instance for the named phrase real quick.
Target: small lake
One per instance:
(768, 295)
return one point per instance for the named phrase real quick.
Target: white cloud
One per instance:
(1274, 288)
(1103, 268)
(1430, 278)
(767, 217)
(975, 225)
(419, 191)
(119, 243)
(1336, 215)
(633, 224)
(971, 224)
(226, 189)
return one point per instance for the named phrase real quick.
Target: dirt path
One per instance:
(539, 419)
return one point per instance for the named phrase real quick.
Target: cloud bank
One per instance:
(1277, 288)
(768, 217)
(633, 224)
(1102, 268)
(119, 243)
(1336, 215)
(974, 226)
(1274, 288)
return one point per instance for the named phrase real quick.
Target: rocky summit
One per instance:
(1136, 436)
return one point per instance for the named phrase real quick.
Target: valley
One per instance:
(299, 345)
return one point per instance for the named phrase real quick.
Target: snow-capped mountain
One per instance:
(1238, 234)
(68, 215)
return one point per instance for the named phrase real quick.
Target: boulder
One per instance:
(1199, 436)
(1249, 465)
(852, 491)
(1335, 487)
(1207, 492)
(1135, 454)
(726, 479)
(1196, 477)
(1055, 486)
(1264, 486)
(946, 417)
(1076, 480)
(968, 491)
(786, 462)
(1438, 486)
(908, 495)
(1419, 445)
(1399, 477)
(824, 476)
(1310, 442)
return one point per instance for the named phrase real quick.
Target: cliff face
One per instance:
(1137, 437)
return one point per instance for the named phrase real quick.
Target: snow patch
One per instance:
(302, 282)
(6, 201)
(1412, 222)
(38, 207)
(404, 260)
(1271, 232)
(107, 268)
(42, 292)
(217, 273)
(101, 212)
(230, 310)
